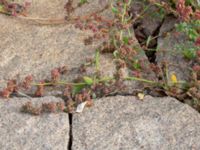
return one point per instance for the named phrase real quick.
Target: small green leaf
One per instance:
(88, 80)
(115, 53)
(1, 8)
(189, 53)
(193, 34)
(114, 10)
(77, 88)
(125, 39)
(158, 4)
(136, 65)
(83, 1)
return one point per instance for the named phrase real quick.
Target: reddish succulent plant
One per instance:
(40, 89)
(197, 42)
(55, 75)
(183, 10)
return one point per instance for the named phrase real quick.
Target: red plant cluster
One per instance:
(127, 52)
(83, 96)
(198, 53)
(40, 89)
(71, 100)
(11, 88)
(183, 10)
(102, 89)
(14, 9)
(197, 15)
(197, 42)
(68, 7)
(26, 84)
(55, 75)
(51, 107)
(196, 68)
(95, 23)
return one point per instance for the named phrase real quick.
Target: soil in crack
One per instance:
(149, 43)
(70, 132)
(148, 40)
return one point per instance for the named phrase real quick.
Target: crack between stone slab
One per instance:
(70, 132)
(151, 55)
(156, 34)
(135, 94)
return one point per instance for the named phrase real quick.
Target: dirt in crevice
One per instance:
(150, 49)
(70, 132)
(152, 54)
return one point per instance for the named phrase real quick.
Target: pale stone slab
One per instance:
(127, 123)
(23, 131)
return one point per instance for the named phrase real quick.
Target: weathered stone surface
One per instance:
(45, 9)
(127, 123)
(24, 131)
(167, 51)
(29, 48)
(91, 6)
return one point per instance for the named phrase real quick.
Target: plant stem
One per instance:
(97, 54)
(141, 79)
(106, 79)
(58, 83)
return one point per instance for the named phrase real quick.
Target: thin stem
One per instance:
(141, 79)
(124, 13)
(106, 79)
(97, 59)
(23, 94)
(58, 83)
(121, 35)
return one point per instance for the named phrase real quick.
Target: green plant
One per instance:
(190, 28)
(82, 2)
(118, 39)
(188, 49)
(189, 53)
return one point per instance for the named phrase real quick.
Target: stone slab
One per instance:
(23, 131)
(127, 123)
